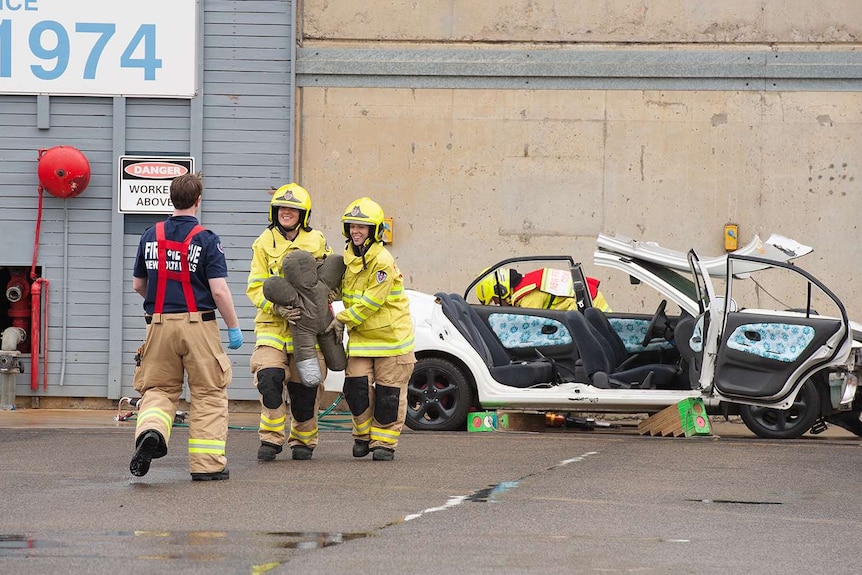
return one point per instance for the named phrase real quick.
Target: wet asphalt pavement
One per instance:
(502, 502)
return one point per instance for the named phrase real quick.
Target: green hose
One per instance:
(334, 422)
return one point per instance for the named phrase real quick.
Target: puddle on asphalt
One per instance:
(10, 544)
(310, 540)
(492, 493)
(735, 502)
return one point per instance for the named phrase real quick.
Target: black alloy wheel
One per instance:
(784, 423)
(439, 396)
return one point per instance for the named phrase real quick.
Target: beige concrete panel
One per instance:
(821, 108)
(470, 176)
(771, 163)
(612, 21)
(806, 21)
(474, 176)
(682, 160)
(812, 188)
(684, 106)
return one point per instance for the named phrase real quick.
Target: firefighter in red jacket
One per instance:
(544, 288)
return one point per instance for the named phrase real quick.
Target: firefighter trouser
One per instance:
(178, 343)
(375, 389)
(272, 370)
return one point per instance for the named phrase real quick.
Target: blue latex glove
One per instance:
(235, 335)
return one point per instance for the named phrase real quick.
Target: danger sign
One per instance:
(145, 183)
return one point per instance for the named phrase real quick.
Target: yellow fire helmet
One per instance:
(291, 196)
(495, 285)
(367, 212)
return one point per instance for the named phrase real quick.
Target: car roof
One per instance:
(776, 247)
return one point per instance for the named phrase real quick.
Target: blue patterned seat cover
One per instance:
(519, 331)
(779, 341)
(632, 332)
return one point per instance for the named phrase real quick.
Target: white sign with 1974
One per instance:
(98, 47)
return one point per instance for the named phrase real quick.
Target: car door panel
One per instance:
(523, 332)
(516, 331)
(759, 354)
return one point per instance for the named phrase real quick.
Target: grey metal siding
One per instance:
(74, 235)
(247, 114)
(246, 103)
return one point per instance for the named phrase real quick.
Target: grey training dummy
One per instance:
(306, 284)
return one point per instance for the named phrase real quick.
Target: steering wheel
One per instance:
(653, 324)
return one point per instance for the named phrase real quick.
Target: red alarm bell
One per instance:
(64, 171)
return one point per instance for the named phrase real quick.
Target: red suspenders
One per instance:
(182, 275)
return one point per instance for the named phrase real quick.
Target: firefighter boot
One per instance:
(150, 445)
(360, 448)
(301, 452)
(383, 454)
(267, 451)
(216, 476)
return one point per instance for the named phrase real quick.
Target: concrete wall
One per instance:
(478, 172)
(568, 21)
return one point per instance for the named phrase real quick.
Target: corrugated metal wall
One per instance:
(240, 131)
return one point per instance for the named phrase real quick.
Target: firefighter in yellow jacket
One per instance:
(272, 359)
(380, 346)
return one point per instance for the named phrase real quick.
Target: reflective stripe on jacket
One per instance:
(267, 252)
(376, 309)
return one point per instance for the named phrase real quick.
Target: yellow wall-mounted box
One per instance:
(731, 237)
(388, 235)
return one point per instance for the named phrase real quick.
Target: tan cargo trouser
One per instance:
(175, 344)
(273, 422)
(392, 372)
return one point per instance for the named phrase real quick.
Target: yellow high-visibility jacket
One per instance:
(553, 289)
(376, 309)
(267, 252)
(543, 300)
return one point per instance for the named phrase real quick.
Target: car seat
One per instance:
(601, 371)
(692, 359)
(520, 374)
(618, 355)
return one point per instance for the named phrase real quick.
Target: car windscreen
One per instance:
(675, 279)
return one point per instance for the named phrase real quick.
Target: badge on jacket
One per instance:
(381, 277)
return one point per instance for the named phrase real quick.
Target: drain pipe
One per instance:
(65, 290)
(36, 308)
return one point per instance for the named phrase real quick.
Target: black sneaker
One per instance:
(217, 476)
(360, 448)
(150, 445)
(267, 451)
(301, 452)
(383, 454)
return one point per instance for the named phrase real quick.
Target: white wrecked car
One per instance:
(786, 368)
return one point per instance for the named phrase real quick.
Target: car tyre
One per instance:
(784, 423)
(439, 396)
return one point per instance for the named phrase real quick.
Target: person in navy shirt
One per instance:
(180, 271)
